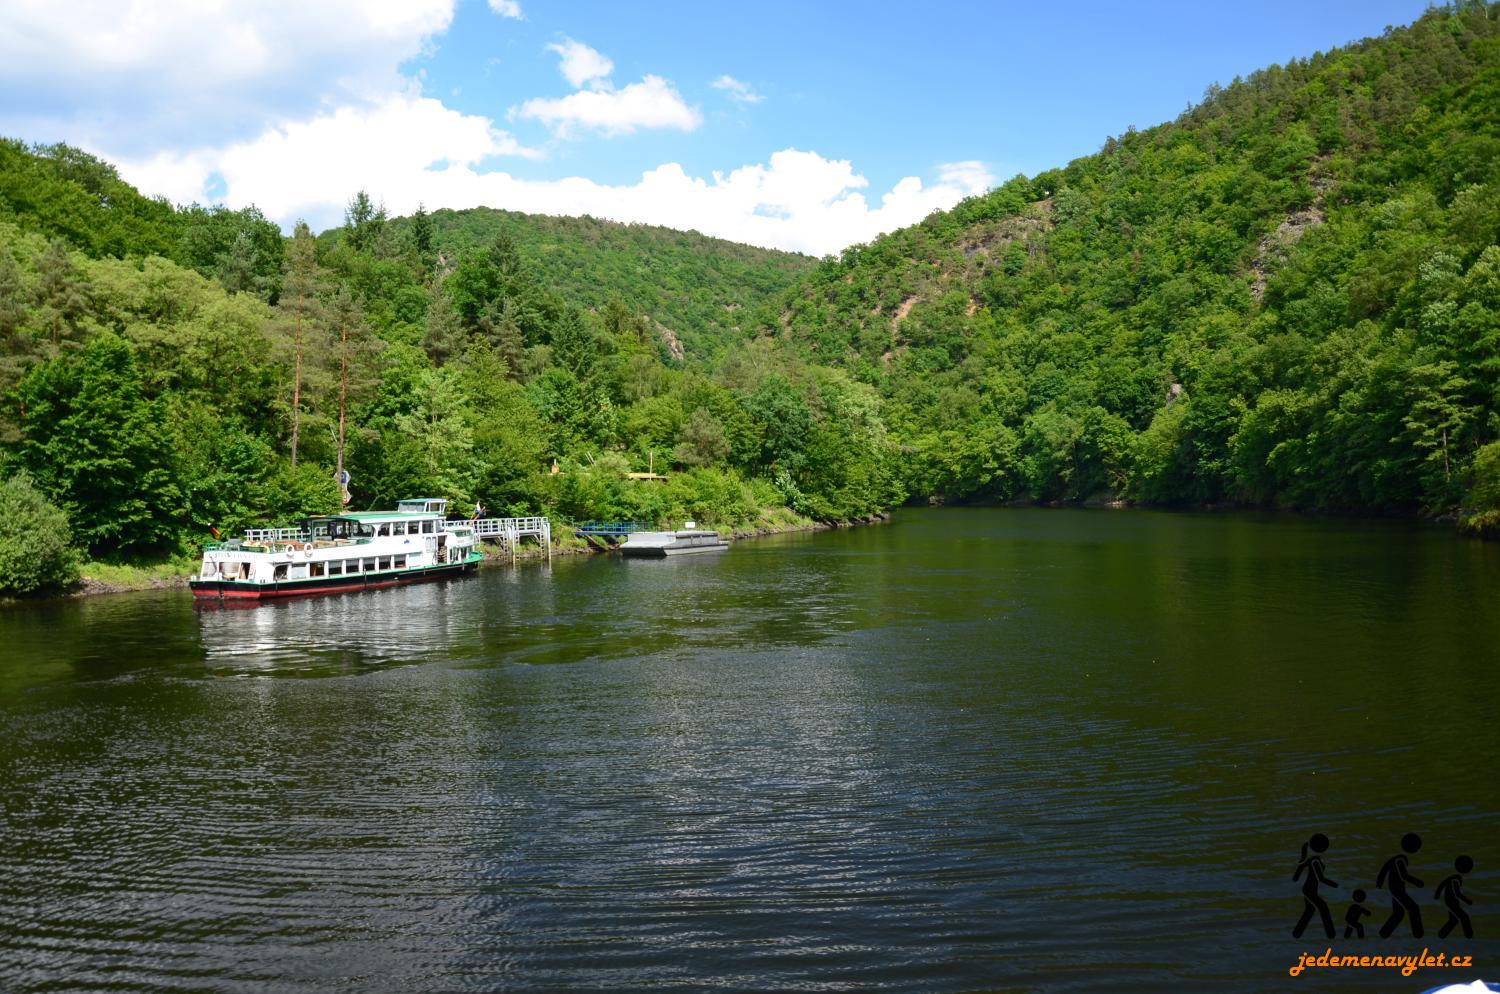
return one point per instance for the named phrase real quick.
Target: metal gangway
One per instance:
(510, 531)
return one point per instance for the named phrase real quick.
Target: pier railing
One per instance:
(510, 531)
(609, 529)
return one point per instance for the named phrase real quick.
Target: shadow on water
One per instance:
(972, 750)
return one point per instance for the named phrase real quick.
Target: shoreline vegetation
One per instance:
(108, 578)
(1288, 297)
(98, 578)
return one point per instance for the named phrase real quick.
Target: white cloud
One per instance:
(507, 8)
(311, 168)
(580, 63)
(412, 150)
(134, 76)
(969, 174)
(294, 106)
(651, 103)
(738, 91)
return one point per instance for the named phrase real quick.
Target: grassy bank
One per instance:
(112, 578)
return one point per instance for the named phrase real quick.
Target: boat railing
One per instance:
(262, 535)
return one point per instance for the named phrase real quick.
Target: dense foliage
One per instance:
(1289, 295)
(162, 381)
(36, 545)
(694, 288)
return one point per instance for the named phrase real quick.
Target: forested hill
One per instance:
(1288, 295)
(697, 288)
(168, 371)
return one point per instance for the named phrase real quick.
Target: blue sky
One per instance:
(806, 126)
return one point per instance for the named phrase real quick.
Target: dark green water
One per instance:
(969, 750)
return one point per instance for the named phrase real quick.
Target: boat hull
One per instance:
(664, 553)
(659, 545)
(241, 590)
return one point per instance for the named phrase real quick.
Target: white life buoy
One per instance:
(307, 550)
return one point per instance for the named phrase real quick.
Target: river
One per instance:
(1000, 749)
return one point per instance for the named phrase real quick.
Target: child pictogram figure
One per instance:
(1451, 892)
(1313, 867)
(1352, 923)
(1394, 878)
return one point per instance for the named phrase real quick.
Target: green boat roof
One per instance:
(386, 515)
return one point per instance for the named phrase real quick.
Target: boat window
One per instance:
(335, 568)
(369, 565)
(427, 527)
(399, 562)
(280, 573)
(384, 529)
(317, 569)
(385, 562)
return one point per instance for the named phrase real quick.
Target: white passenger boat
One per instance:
(342, 552)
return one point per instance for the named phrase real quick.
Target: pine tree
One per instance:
(302, 311)
(60, 294)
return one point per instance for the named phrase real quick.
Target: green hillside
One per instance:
(167, 371)
(697, 288)
(1288, 295)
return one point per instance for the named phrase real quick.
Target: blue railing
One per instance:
(610, 529)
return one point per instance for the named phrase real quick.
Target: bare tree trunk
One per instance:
(343, 391)
(296, 390)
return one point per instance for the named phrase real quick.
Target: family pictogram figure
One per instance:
(1312, 867)
(1352, 924)
(1394, 878)
(1451, 893)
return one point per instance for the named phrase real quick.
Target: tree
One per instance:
(421, 239)
(300, 309)
(785, 423)
(364, 223)
(355, 354)
(36, 543)
(59, 294)
(444, 334)
(702, 441)
(236, 270)
(1437, 411)
(97, 446)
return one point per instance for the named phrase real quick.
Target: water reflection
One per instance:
(971, 750)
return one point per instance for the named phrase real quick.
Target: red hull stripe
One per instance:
(234, 590)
